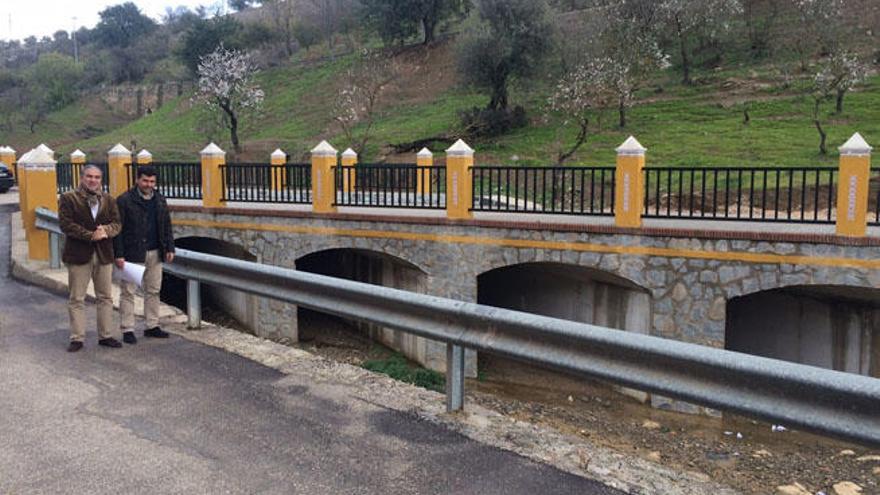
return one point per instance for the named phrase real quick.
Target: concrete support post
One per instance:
(323, 185)
(7, 157)
(629, 191)
(454, 377)
(349, 175)
(424, 160)
(193, 304)
(459, 181)
(278, 160)
(213, 158)
(852, 189)
(77, 159)
(118, 169)
(41, 183)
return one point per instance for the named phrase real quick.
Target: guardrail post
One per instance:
(852, 187)
(459, 182)
(40, 177)
(279, 179)
(323, 186)
(212, 180)
(629, 184)
(7, 157)
(118, 160)
(349, 177)
(193, 304)
(77, 159)
(454, 377)
(424, 160)
(54, 250)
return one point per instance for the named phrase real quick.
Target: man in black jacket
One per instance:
(147, 239)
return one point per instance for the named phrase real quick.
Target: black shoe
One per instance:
(156, 333)
(129, 338)
(110, 342)
(74, 346)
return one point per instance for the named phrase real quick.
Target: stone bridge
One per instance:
(796, 288)
(805, 297)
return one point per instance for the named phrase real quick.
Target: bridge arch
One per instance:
(219, 304)
(372, 267)
(830, 326)
(571, 292)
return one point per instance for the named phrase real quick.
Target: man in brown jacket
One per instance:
(89, 219)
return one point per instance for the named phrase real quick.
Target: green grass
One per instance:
(682, 126)
(396, 366)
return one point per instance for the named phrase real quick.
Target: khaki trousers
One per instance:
(152, 285)
(78, 277)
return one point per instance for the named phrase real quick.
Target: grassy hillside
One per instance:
(698, 125)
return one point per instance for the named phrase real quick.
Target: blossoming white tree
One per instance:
(838, 74)
(688, 20)
(354, 108)
(580, 95)
(227, 88)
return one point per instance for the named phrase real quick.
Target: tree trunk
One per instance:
(685, 60)
(822, 135)
(621, 111)
(233, 125)
(581, 138)
(839, 103)
(429, 24)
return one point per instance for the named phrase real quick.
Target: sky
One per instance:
(22, 18)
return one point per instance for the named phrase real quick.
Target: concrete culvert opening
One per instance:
(352, 338)
(221, 306)
(563, 291)
(833, 327)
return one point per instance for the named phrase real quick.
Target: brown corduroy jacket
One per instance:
(75, 219)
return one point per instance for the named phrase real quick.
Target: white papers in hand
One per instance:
(132, 273)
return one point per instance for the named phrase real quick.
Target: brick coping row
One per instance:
(552, 227)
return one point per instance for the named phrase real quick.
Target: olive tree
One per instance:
(509, 40)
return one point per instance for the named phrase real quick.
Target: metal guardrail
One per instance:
(47, 220)
(834, 403)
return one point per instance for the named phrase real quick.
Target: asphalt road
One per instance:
(177, 417)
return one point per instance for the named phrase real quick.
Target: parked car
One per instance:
(6, 180)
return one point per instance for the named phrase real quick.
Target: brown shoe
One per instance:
(74, 346)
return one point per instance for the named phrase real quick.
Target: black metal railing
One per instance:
(390, 186)
(67, 175)
(175, 180)
(556, 190)
(874, 197)
(264, 183)
(767, 194)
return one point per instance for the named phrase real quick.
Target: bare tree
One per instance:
(283, 14)
(356, 103)
(227, 88)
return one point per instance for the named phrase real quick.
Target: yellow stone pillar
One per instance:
(40, 177)
(459, 189)
(118, 169)
(629, 191)
(424, 159)
(212, 180)
(278, 159)
(349, 176)
(144, 157)
(852, 189)
(77, 159)
(323, 185)
(7, 157)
